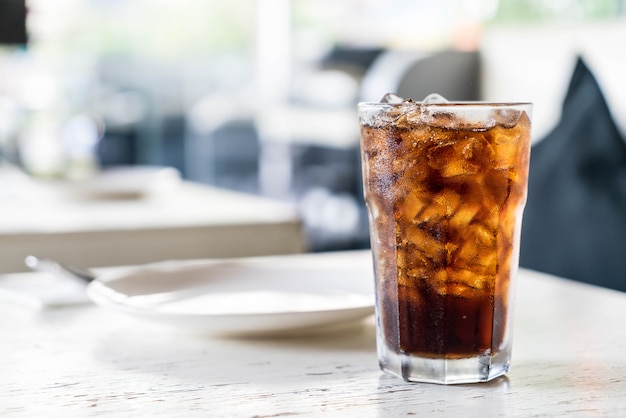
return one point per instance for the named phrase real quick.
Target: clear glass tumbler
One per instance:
(445, 185)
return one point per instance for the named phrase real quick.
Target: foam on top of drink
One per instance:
(436, 111)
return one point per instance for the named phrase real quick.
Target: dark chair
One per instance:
(412, 74)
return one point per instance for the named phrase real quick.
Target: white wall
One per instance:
(535, 63)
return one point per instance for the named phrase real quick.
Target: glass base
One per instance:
(444, 371)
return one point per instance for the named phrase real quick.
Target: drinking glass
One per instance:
(445, 186)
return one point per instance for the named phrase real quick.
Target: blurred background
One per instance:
(259, 96)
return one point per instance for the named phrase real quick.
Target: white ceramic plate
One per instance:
(244, 297)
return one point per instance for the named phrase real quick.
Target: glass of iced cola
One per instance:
(445, 185)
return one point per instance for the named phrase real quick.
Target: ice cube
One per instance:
(434, 98)
(414, 116)
(448, 200)
(382, 117)
(507, 118)
(478, 253)
(464, 215)
(391, 98)
(429, 239)
(471, 118)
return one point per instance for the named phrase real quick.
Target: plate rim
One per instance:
(97, 293)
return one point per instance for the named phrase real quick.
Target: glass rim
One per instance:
(468, 103)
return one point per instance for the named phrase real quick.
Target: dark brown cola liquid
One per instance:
(445, 206)
(449, 325)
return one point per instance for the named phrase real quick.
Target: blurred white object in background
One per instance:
(80, 135)
(535, 63)
(127, 182)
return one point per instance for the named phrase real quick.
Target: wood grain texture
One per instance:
(568, 360)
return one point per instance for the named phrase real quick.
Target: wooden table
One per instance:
(569, 361)
(186, 221)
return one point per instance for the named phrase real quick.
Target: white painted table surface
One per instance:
(569, 361)
(189, 221)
